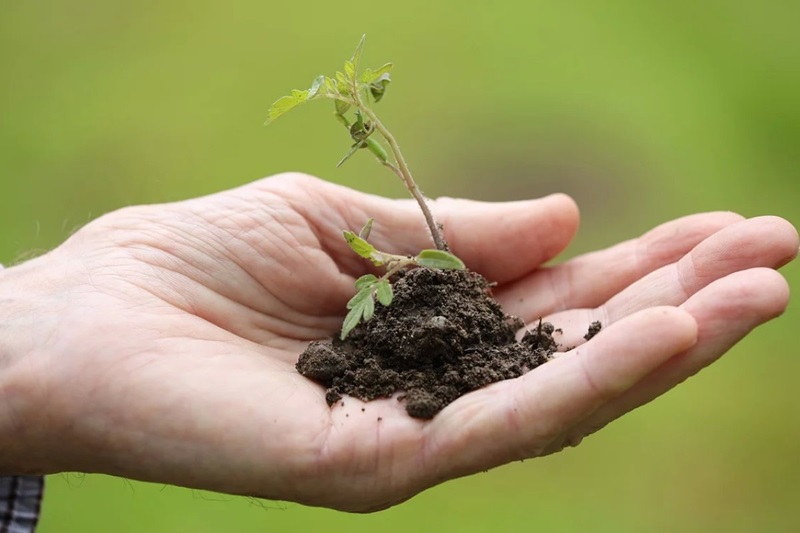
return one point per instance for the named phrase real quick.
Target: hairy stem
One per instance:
(402, 170)
(405, 262)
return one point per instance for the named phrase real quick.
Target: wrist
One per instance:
(26, 320)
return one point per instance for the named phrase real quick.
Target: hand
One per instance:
(159, 342)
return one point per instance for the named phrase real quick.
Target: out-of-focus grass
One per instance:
(642, 111)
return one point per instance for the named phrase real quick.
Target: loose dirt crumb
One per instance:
(594, 329)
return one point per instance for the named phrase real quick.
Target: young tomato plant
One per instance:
(352, 92)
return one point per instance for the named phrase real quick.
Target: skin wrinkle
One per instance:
(193, 306)
(682, 273)
(278, 248)
(440, 441)
(388, 453)
(203, 279)
(201, 275)
(545, 433)
(305, 253)
(586, 373)
(515, 414)
(643, 257)
(561, 290)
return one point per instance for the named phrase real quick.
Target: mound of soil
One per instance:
(442, 337)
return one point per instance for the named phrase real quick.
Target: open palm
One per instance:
(167, 337)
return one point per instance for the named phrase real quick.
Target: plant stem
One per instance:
(397, 267)
(404, 173)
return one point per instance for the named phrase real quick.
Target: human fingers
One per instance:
(758, 242)
(726, 311)
(591, 279)
(521, 418)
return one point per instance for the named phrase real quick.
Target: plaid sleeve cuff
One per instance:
(20, 503)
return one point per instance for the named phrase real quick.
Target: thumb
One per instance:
(506, 240)
(501, 240)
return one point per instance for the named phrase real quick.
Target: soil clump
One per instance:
(442, 337)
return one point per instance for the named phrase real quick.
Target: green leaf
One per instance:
(384, 292)
(367, 74)
(365, 231)
(368, 308)
(370, 76)
(362, 305)
(318, 82)
(360, 296)
(349, 70)
(353, 149)
(342, 108)
(330, 85)
(285, 104)
(378, 88)
(357, 54)
(350, 321)
(439, 259)
(341, 80)
(360, 246)
(365, 281)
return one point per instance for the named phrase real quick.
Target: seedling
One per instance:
(352, 92)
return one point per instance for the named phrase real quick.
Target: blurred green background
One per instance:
(643, 111)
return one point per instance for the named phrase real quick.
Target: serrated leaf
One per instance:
(359, 297)
(318, 82)
(439, 259)
(362, 305)
(368, 308)
(350, 321)
(370, 76)
(365, 281)
(359, 245)
(285, 104)
(365, 231)
(384, 292)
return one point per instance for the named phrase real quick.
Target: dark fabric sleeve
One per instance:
(20, 502)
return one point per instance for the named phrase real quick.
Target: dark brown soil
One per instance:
(442, 336)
